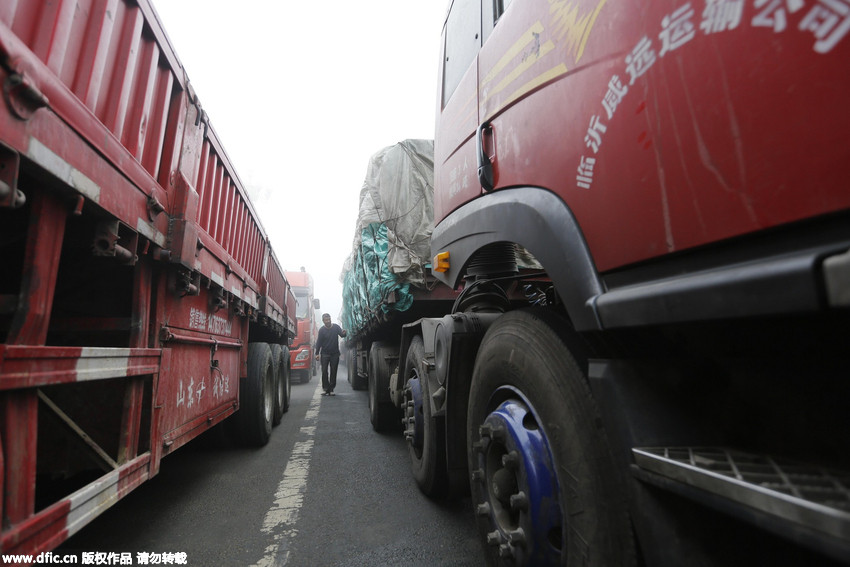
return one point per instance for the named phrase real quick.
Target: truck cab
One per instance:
(302, 359)
(665, 393)
(640, 133)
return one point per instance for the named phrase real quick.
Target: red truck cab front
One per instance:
(301, 352)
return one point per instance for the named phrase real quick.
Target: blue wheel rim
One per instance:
(519, 486)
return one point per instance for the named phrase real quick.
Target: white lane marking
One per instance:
(281, 518)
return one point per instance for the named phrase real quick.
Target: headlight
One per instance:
(303, 355)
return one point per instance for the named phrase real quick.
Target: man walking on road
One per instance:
(327, 346)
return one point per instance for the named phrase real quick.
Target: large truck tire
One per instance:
(542, 474)
(351, 365)
(359, 382)
(287, 373)
(257, 396)
(282, 380)
(287, 369)
(426, 435)
(382, 413)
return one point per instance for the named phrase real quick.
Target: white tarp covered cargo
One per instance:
(392, 238)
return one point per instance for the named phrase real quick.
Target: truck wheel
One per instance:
(257, 396)
(287, 374)
(351, 364)
(360, 382)
(542, 476)
(382, 413)
(279, 386)
(426, 435)
(283, 384)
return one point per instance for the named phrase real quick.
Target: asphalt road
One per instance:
(326, 491)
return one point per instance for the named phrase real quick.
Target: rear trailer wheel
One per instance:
(382, 413)
(257, 396)
(286, 376)
(358, 382)
(351, 365)
(426, 435)
(280, 361)
(542, 477)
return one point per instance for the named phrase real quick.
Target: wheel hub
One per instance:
(414, 419)
(518, 491)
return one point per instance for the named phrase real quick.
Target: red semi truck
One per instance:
(671, 386)
(303, 363)
(140, 301)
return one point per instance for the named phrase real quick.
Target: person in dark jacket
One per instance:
(327, 347)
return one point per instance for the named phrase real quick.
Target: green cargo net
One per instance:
(370, 289)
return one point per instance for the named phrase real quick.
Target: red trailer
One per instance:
(140, 301)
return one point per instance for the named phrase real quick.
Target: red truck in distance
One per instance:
(304, 364)
(141, 303)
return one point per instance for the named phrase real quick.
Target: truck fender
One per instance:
(544, 225)
(449, 342)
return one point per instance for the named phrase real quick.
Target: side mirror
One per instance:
(317, 304)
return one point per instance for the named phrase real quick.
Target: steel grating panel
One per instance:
(806, 494)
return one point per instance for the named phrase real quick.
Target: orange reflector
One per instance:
(441, 262)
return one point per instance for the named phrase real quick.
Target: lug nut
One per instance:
(495, 538)
(498, 434)
(511, 460)
(517, 537)
(519, 501)
(506, 551)
(483, 509)
(478, 475)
